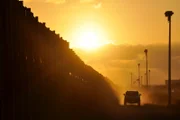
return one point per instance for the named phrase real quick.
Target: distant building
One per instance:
(174, 82)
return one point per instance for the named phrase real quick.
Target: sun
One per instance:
(89, 37)
(89, 40)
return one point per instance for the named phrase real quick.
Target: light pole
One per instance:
(141, 81)
(168, 14)
(146, 51)
(139, 74)
(144, 79)
(149, 77)
(131, 79)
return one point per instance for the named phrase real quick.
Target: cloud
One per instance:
(98, 5)
(117, 61)
(26, 0)
(87, 1)
(56, 1)
(46, 1)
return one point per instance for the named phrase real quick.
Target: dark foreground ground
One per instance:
(146, 112)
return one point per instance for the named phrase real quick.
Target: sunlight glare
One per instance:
(89, 38)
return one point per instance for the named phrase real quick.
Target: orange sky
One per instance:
(120, 21)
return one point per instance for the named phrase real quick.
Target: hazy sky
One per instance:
(118, 61)
(120, 21)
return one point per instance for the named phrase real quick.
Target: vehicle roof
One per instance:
(132, 91)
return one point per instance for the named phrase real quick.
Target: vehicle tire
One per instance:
(139, 103)
(125, 103)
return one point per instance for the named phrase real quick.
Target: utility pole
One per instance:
(149, 77)
(131, 79)
(168, 14)
(146, 53)
(141, 80)
(144, 78)
(139, 74)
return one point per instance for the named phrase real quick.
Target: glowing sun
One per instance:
(89, 38)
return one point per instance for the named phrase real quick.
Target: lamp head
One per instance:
(145, 50)
(169, 14)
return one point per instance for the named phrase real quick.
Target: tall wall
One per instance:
(29, 52)
(36, 62)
